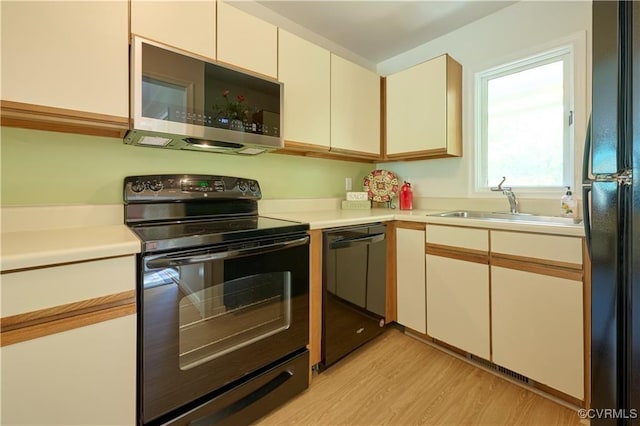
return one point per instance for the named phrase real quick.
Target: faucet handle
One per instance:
(499, 187)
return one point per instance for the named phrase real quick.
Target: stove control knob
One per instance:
(242, 186)
(253, 187)
(155, 185)
(137, 186)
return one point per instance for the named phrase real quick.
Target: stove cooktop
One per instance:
(178, 235)
(179, 211)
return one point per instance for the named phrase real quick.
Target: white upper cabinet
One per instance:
(246, 41)
(187, 25)
(355, 109)
(71, 55)
(305, 70)
(424, 110)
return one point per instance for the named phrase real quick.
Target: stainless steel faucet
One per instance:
(513, 202)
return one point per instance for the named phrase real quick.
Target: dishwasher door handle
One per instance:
(352, 242)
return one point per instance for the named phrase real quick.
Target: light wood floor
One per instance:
(398, 380)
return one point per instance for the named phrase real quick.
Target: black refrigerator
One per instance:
(612, 213)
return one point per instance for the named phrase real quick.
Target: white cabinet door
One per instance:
(424, 110)
(246, 41)
(355, 108)
(305, 70)
(458, 304)
(410, 260)
(537, 328)
(71, 55)
(82, 376)
(187, 25)
(74, 373)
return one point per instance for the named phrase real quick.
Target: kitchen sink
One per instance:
(509, 217)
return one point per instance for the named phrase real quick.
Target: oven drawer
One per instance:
(253, 399)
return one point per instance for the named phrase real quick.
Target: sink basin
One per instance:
(509, 217)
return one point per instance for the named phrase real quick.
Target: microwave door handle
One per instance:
(369, 239)
(169, 261)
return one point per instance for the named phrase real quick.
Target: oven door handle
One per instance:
(168, 261)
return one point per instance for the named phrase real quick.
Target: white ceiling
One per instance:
(379, 30)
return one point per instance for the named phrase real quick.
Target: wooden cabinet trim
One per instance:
(324, 155)
(454, 107)
(469, 255)
(359, 154)
(304, 147)
(419, 155)
(53, 119)
(32, 325)
(525, 265)
(315, 297)
(391, 300)
(418, 226)
(383, 118)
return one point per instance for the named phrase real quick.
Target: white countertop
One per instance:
(34, 248)
(30, 248)
(337, 218)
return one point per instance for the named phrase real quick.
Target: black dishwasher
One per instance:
(354, 286)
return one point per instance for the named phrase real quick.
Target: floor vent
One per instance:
(505, 371)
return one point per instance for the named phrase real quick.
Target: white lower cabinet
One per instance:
(68, 354)
(410, 275)
(458, 304)
(537, 328)
(78, 377)
(513, 298)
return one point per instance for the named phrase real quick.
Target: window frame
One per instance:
(566, 53)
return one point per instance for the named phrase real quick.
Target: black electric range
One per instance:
(182, 211)
(223, 301)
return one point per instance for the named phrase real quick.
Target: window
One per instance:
(524, 119)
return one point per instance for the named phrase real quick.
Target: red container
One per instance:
(406, 196)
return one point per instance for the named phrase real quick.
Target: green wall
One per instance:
(58, 168)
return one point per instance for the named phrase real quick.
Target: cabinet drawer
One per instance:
(35, 289)
(563, 251)
(466, 238)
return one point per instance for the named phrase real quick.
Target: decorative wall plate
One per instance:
(381, 185)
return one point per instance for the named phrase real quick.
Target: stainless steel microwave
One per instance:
(183, 101)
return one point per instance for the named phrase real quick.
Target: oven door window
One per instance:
(218, 316)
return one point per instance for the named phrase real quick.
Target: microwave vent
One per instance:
(154, 141)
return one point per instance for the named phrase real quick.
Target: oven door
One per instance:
(217, 315)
